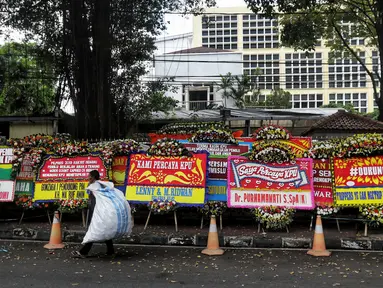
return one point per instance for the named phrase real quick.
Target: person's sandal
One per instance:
(76, 254)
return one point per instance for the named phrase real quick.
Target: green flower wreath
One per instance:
(271, 152)
(213, 136)
(272, 132)
(168, 147)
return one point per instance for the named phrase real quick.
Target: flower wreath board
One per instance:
(253, 184)
(167, 178)
(358, 181)
(25, 178)
(323, 190)
(7, 184)
(218, 154)
(118, 171)
(66, 178)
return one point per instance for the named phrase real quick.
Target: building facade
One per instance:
(196, 75)
(314, 79)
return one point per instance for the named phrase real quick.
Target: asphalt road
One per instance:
(29, 265)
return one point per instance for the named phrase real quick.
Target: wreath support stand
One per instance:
(22, 216)
(175, 220)
(220, 222)
(202, 222)
(87, 218)
(337, 224)
(49, 218)
(147, 220)
(365, 229)
(84, 218)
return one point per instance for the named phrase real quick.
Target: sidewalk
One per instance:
(231, 236)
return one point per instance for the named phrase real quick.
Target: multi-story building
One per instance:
(314, 78)
(196, 74)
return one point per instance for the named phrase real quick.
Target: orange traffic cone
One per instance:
(55, 242)
(212, 240)
(319, 245)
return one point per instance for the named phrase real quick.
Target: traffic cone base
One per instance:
(212, 248)
(319, 253)
(54, 246)
(211, 252)
(55, 241)
(319, 245)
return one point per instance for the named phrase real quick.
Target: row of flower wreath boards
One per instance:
(270, 179)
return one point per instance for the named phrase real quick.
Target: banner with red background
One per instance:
(61, 178)
(298, 145)
(323, 182)
(253, 184)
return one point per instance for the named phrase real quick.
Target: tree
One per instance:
(225, 85)
(236, 87)
(150, 98)
(100, 48)
(278, 99)
(304, 22)
(27, 80)
(348, 107)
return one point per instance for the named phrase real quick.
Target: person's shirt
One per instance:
(93, 186)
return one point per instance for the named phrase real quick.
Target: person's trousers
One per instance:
(86, 248)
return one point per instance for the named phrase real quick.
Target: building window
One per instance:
(358, 100)
(214, 26)
(261, 33)
(302, 70)
(346, 73)
(307, 100)
(261, 69)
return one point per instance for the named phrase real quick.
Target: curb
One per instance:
(201, 240)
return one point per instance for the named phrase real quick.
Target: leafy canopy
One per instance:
(27, 80)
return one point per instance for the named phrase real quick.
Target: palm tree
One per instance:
(242, 86)
(225, 85)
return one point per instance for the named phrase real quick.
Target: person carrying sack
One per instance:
(99, 225)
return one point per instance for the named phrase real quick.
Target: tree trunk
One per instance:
(379, 29)
(87, 120)
(102, 65)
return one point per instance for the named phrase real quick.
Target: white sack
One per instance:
(112, 216)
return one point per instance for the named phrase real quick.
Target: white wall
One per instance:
(192, 71)
(169, 44)
(166, 45)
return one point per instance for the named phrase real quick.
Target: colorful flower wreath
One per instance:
(359, 145)
(215, 208)
(373, 215)
(190, 127)
(72, 205)
(213, 135)
(272, 132)
(324, 210)
(162, 207)
(72, 149)
(26, 203)
(321, 150)
(18, 156)
(274, 217)
(167, 147)
(115, 148)
(36, 155)
(271, 152)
